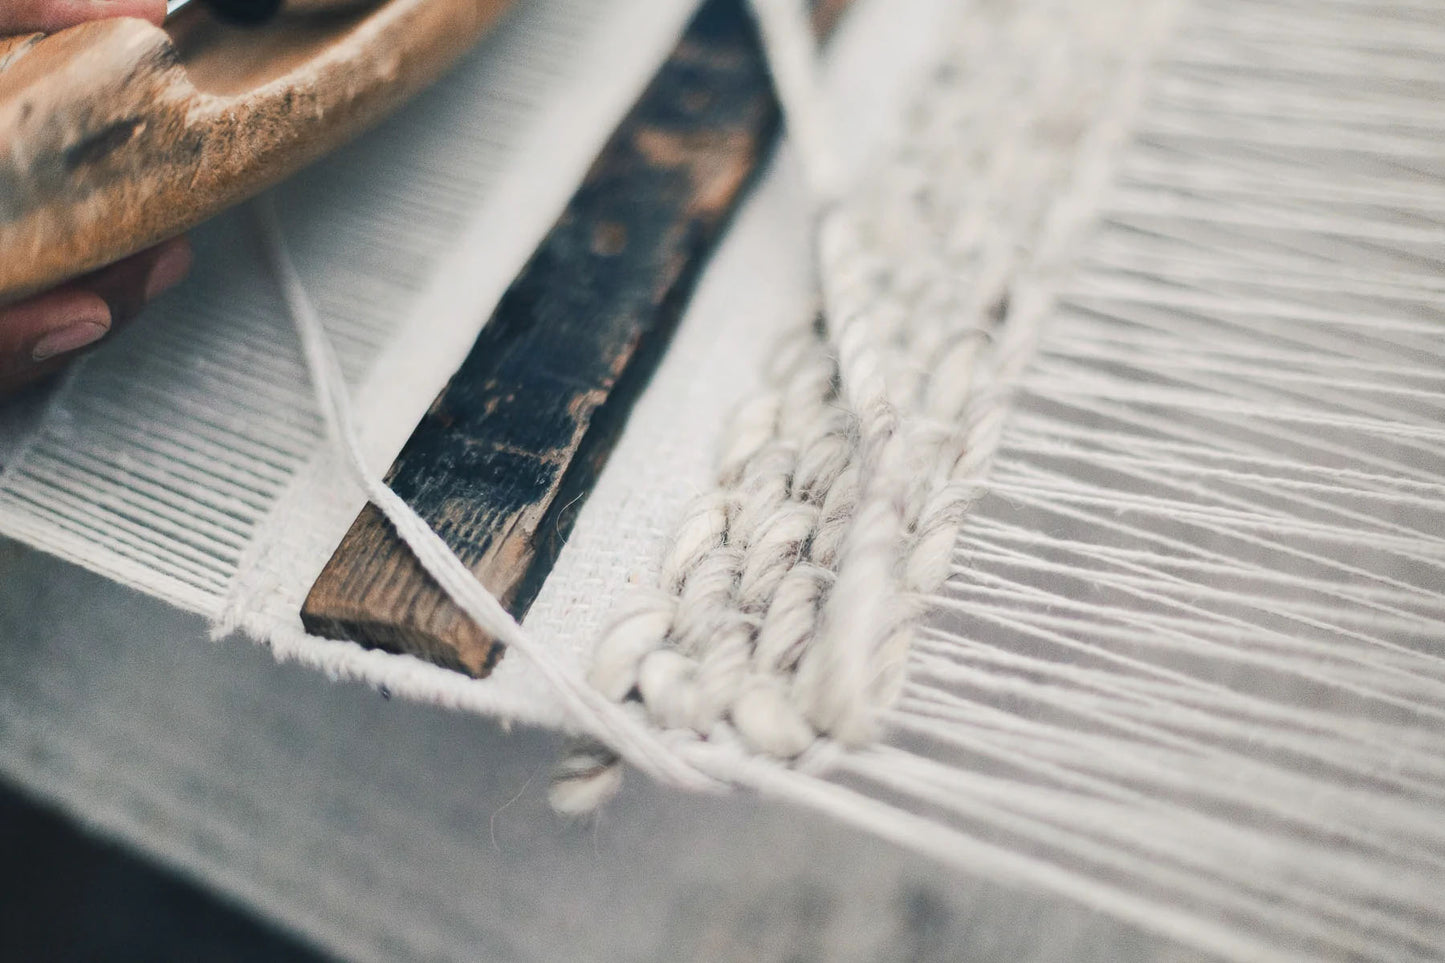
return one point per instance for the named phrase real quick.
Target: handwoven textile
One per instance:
(169, 449)
(1177, 303)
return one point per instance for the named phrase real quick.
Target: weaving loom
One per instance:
(1045, 478)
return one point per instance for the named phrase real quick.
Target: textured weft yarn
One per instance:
(1088, 540)
(789, 596)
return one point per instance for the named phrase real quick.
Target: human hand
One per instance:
(40, 334)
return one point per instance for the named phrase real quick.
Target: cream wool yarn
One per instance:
(789, 596)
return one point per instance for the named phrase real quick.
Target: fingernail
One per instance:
(69, 338)
(173, 265)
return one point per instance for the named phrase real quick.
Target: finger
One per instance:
(38, 336)
(49, 326)
(48, 16)
(127, 285)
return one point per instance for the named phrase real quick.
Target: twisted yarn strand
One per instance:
(789, 595)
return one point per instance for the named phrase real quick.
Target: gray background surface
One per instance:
(388, 831)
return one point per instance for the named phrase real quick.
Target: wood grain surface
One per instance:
(503, 461)
(117, 134)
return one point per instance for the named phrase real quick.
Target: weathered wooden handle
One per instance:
(115, 135)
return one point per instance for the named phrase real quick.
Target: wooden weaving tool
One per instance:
(115, 135)
(503, 461)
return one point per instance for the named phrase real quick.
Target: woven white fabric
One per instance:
(712, 363)
(1187, 668)
(170, 448)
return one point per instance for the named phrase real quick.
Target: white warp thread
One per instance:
(1188, 667)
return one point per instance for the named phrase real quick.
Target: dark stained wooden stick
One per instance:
(511, 448)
